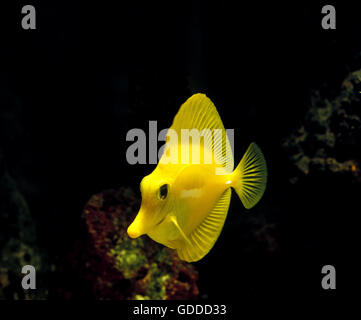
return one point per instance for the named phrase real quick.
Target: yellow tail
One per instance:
(250, 176)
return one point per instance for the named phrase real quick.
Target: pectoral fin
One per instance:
(175, 222)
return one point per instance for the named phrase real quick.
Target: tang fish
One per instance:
(185, 200)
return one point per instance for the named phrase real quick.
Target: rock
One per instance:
(329, 137)
(124, 268)
(18, 246)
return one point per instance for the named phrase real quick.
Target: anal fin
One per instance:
(203, 238)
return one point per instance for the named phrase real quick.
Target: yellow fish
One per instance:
(185, 200)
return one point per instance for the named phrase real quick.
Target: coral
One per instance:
(124, 268)
(328, 139)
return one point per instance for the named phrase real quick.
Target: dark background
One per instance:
(91, 72)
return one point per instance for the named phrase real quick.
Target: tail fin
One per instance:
(250, 176)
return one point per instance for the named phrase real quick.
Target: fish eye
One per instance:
(163, 191)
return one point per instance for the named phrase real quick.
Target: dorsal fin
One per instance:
(203, 238)
(199, 112)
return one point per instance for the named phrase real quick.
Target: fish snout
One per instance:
(137, 227)
(132, 232)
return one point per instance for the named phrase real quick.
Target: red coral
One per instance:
(107, 216)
